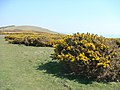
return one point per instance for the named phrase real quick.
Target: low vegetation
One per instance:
(34, 39)
(89, 55)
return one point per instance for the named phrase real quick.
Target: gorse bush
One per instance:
(31, 39)
(88, 55)
(115, 40)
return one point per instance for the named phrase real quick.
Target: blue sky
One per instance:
(101, 17)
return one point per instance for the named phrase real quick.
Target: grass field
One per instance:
(31, 68)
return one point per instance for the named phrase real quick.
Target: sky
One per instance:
(100, 17)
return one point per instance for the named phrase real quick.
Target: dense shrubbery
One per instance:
(31, 39)
(89, 55)
(115, 40)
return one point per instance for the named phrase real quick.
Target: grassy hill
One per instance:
(25, 28)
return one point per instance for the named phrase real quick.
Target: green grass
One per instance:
(31, 68)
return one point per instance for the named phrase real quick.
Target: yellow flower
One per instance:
(69, 47)
(72, 60)
(108, 61)
(66, 55)
(59, 56)
(93, 58)
(97, 58)
(54, 46)
(106, 65)
(77, 58)
(99, 64)
(76, 42)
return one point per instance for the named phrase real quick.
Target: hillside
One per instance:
(25, 28)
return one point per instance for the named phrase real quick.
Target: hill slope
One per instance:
(21, 28)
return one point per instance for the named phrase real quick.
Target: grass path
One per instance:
(18, 71)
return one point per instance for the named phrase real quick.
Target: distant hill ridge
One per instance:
(14, 28)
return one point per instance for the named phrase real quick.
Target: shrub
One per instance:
(89, 55)
(115, 40)
(15, 39)
(31, 39)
